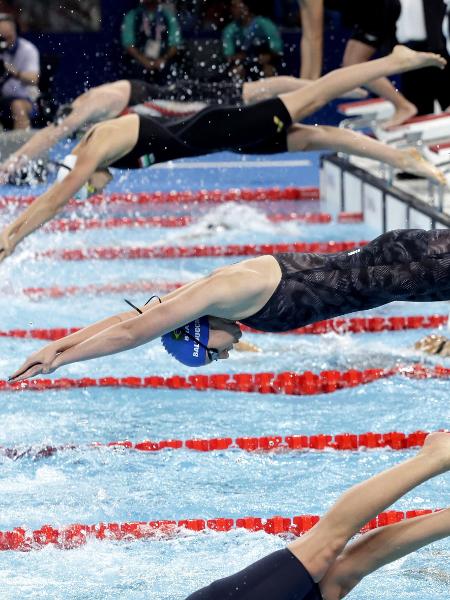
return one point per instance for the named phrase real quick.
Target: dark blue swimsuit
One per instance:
(278, 576)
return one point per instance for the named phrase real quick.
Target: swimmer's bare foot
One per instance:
(413, 162)
(406, 110)
(408, 60)
(437, 449)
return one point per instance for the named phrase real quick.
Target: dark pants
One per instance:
(424, 86)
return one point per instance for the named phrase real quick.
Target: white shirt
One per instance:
(25, 57)
(411, 23)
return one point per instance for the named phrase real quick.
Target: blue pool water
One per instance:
(89, 485)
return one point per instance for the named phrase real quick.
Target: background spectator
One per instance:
(19, 69)
(420, 27)
(311, 44)
(151, 38)
(252, 44)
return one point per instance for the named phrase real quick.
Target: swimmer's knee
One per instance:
(304, 137)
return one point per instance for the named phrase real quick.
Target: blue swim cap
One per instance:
(183, 347)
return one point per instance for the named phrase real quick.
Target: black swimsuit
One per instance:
(257, 129)
(406, 264)
(213, 92)
(278, 576)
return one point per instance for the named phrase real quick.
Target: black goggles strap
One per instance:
(137, 308)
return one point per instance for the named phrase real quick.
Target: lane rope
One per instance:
(288, 382)
(339, 325)
(73, 225)
(394, 440)
(69, 225)
(198, 251)
(75, 535)
(273, 194)
(39, 293)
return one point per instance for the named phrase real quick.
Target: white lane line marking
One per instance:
(230, 164)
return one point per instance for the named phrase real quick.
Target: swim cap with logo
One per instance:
(65, 166)
(188, 344)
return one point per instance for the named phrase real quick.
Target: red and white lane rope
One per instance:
(289, 383)
(199, 251)
(338, 325)
(394, 440)
(185, 197)
(77, 534)
(73, 225)
(39, 293)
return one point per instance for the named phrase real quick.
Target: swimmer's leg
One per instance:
(359, 52)
(320, 547)
(310, 98)
(262, 89)
(322, 137)
(381, 547)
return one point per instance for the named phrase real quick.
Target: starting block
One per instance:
(358, 185)
(426, 128)
(364, 113)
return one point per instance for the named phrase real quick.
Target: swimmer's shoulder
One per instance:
(255, 274)
(113, 138)
(125, 125)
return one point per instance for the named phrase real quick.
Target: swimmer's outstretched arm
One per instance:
(47, 205)
(48, 353)
(97, 104)
(44, 139)
(217, 295)
(92, 151)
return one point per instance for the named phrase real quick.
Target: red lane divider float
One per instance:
(142, 252)
(338, 325)
(77, 534)
(394, 440)
(186, 197)
(288, 382)
(38, 293)
(73, 225)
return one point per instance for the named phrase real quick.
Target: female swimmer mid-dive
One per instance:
(267, 127)
(199, 321)
(117, 98)
(322, 564)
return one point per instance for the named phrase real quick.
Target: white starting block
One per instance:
(426, 128)
(357, 185)
(364, 113)
(439, 154)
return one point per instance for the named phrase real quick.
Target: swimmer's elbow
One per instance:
(128, 333)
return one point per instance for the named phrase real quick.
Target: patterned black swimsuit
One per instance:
(406, 264)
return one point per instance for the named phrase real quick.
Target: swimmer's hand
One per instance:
(7, 244)
(39, 363)
(434, 344)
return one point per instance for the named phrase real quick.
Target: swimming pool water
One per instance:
(89, 485)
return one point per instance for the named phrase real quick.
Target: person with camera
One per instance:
(19, 73)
